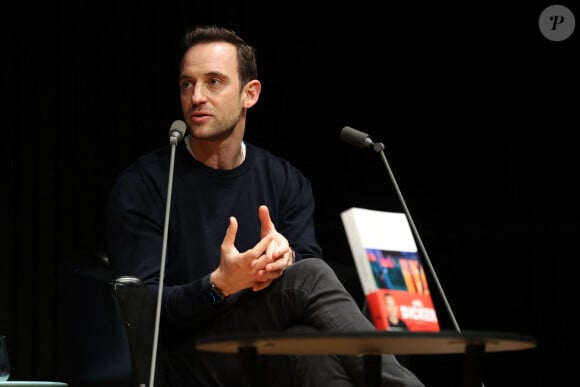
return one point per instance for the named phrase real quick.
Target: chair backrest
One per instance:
(109, 322)
(95, 347)
(137, 307)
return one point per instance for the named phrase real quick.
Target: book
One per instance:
(390, 269)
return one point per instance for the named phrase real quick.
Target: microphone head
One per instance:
(355, 137)
(177, 130)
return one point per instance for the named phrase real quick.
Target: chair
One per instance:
(108, 325)
(137, 306)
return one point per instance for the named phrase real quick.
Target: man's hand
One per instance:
(236, 270)
(278, 255)
(256, 267)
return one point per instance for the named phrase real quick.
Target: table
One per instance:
(371, 345)
(31, 383)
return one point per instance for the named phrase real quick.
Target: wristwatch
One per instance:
(215, 296)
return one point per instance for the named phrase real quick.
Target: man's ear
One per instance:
(251, 93)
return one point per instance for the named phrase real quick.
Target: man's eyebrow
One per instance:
(216, 74)
(208, 74)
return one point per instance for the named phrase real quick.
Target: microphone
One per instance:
(359, 139)
(362, 140)
(176, 131)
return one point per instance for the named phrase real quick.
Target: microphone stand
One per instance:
(173, 142)
(379, 148)
(362, 140)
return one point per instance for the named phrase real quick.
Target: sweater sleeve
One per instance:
(294, 213)
(135, 222)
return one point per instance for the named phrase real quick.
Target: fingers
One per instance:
(265, 261)
(264, 246)
(266, 277)
(272, 248)
(279, 246)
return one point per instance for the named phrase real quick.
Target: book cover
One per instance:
(390, 270)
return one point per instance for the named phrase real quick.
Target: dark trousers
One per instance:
(307, 297)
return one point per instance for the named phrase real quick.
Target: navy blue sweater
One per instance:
(202, 202)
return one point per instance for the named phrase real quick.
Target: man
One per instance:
(241, 250)
(395, 323)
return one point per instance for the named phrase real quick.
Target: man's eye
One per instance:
(186, 85)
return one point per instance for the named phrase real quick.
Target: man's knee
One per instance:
(316, 265)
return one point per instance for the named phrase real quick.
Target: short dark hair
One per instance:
(247, 66)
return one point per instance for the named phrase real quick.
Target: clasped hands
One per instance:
(257, 267)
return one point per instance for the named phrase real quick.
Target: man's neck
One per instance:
(217, 160)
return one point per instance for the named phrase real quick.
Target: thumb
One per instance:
(267, 226)
(230, 237)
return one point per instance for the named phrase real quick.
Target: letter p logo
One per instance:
(556, 23)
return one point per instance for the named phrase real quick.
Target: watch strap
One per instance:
(213, 294)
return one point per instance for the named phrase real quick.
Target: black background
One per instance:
(477, 111)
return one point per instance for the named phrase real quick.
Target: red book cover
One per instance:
(390, 270)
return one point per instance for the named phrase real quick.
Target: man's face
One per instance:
(211, 99)
(390, 304)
